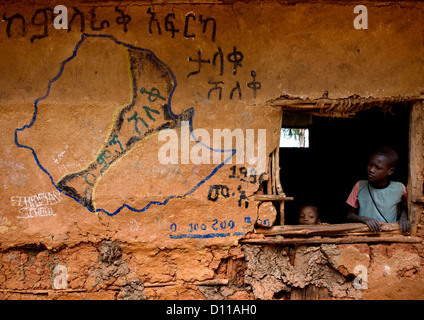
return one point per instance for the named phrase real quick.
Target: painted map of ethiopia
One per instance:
(90, 133)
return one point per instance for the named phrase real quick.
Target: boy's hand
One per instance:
(405, 225)
(373, 224)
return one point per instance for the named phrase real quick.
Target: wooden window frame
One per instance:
(352, 232)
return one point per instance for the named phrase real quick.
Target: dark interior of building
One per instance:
(339, 148)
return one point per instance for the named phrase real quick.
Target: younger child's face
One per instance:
(308, 215)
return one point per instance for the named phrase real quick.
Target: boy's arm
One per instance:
(353, 215)
(404, 223)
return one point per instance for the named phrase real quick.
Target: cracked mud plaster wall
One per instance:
(328, 271)
(82, 110)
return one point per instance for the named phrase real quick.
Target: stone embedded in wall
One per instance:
(266, 214)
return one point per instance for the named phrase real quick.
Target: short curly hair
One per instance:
(389, 153)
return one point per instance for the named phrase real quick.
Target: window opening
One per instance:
(336, 159)
(341, 140)
(294, 138)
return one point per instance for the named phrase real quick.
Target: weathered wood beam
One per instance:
(416, 162)
(325, 102)
(270, 197)
(328, 240)
(42, 291)
(326, 229)
(211, 282)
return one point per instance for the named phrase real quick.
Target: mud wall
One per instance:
(114, 184)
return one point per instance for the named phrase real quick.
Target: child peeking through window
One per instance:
(378, 199)
(309, 214)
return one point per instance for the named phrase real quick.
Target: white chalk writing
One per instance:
(70, 167)
(59, 156)
(36, 205)
(66, 167)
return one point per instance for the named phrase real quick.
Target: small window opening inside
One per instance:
(294, 131)
(294, 138)
(337, 156)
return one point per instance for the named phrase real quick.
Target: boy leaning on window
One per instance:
(378, 199)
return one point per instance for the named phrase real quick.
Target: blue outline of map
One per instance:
(84, 36)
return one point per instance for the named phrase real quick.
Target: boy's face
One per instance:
(379, 168)
(308, 215)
